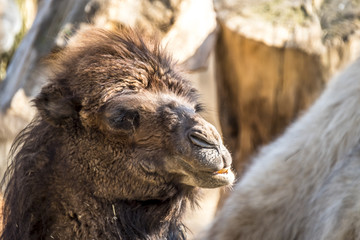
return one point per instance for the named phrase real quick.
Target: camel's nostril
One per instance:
(227, 160)
(200, 140)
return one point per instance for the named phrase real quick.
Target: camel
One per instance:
(304, 185)
(118, 148)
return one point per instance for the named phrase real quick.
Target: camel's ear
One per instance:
(57, 106)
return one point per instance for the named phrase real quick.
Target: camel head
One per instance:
(133, 116)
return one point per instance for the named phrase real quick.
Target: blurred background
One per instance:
(258, 64)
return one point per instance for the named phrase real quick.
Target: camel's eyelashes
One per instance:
(125, 120)
(199, 108)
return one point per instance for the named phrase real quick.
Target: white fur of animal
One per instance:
(306, 184)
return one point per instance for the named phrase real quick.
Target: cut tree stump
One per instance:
(273, 58)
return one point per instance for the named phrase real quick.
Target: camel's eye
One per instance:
(199, 108)
(125, 120)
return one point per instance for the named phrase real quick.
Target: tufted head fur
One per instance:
(117, 149)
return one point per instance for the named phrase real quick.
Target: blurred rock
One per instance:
(19, 114)
(185, 27)
(10, 24)
(192, 37)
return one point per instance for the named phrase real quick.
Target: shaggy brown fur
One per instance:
(117, 150)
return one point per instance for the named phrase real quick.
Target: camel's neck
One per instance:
(159, 219)
(96, 219)
(74, 216)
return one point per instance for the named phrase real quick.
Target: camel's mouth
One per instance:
(216, 179)
(224, 176)
(223, 171)
(208, 179)
(208, 169)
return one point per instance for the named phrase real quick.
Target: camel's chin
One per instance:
(210, 180)
(220, 179)
(227, 177)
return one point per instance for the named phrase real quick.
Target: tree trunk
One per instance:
(272, 61)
